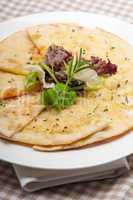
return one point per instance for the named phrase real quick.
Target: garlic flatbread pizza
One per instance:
(84, 83)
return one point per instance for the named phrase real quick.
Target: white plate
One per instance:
(74, 158)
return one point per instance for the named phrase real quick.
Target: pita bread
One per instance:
(15, 52)
(17, 113)
(11, 85)
(71, 36)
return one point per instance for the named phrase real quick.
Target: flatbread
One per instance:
(115, 99)
(52, 127)
(118, 100)
(100, 137)
(70, 36)
(110, 107)
(108, 45)
(17, 113)
(16, 52)
(11, 85)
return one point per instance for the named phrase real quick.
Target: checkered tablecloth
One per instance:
(116, 189)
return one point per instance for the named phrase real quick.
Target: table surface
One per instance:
(117, 189)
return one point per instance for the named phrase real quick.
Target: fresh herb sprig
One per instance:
(61, 95)
(76, 64)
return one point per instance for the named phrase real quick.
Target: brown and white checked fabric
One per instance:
(116, 189)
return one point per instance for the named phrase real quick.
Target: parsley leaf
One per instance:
(59, 97)
(31, 81)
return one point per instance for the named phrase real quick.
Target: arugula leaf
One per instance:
(59, 97)
(31, 81)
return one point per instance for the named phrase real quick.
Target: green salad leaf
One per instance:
(31, 81)
(59, 97)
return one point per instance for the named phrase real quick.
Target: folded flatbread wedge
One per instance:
(99, 137)
(16, 51)
(70, 36)
(11, 85)
(53, 128)
(15, 114)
